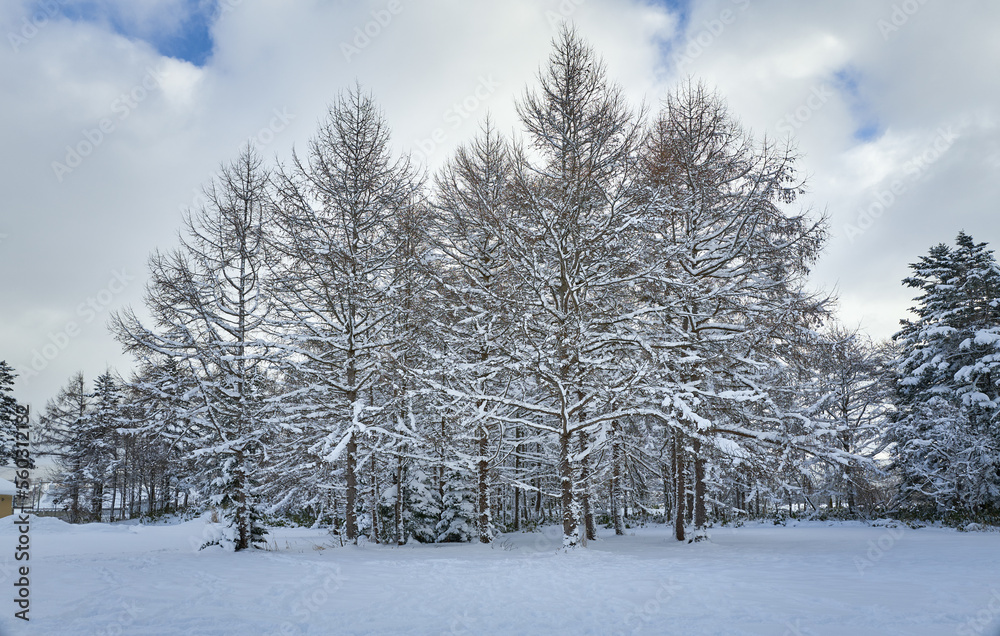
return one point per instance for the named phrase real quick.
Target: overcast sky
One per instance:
(116, 111)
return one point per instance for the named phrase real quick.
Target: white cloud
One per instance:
(124, 199)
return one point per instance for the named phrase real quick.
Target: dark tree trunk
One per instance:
(400, 539)
(588, 514)
(351, 512)
(569, 520)
(483, 470)
(375, 502)
(679, 494)
(517, 473)
(616, 477)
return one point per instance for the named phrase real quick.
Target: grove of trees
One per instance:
(602, 318)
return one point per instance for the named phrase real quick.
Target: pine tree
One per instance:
(422, 505)
(63, 435)
(10, 413)
(99, 428)
(947, 432)
(457, 510)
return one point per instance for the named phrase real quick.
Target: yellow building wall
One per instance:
(6, 506)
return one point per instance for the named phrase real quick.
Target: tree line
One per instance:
(605, 316)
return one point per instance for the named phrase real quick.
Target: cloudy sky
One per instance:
(116, 111)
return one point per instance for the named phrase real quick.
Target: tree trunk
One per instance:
(517, 473)
(114, 494)
(375, 502)
(483, 471)
(699, 488)
(400, 539)
(569, 516)
(667, 472)
(242, 514)
(97, 501)
(350, 514)
(588, 514)
(538, 500)
(616, 477)
(679, 492)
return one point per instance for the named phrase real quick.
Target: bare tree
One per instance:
(337, 279)
(210, 302)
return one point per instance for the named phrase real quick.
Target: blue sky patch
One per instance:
(848, 82)
(185, 37)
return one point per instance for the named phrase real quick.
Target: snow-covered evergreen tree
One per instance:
(63, 435)
(947, 433)
(457, 510)
(9, 414)
(422, 505)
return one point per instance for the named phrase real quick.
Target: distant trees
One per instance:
(851, 389)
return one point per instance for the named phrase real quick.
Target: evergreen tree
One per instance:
(100, 429)
(63, 435)
(457, 510)
(947, 433)
(10, 412)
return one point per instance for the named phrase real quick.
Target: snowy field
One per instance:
(811, 578)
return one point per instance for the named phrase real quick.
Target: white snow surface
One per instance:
(807, 578)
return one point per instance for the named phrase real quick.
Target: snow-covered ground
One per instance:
(813, 578)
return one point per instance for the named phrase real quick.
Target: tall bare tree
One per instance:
(210, 302)
(337, 280)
